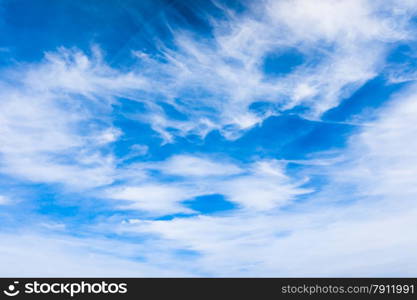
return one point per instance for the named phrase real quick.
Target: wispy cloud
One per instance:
(342, 44)
(367, 210)
(58, 128)
(4, 200)
(262, 185)
(60, 254)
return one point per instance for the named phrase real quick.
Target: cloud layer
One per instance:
(106, 162)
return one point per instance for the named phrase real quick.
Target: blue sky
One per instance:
(208, 138)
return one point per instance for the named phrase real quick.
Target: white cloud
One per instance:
(224, 73)
(340, 21)
(187, 165)
(259, 186)
(49, 133)
(323, 240)
(54, 119)
(71, 71)
(139, 149)
(380, 160)
(265, 187)
(153, 198)
(361, 224)
(55, 255)
(333, 242)
(4, 200)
